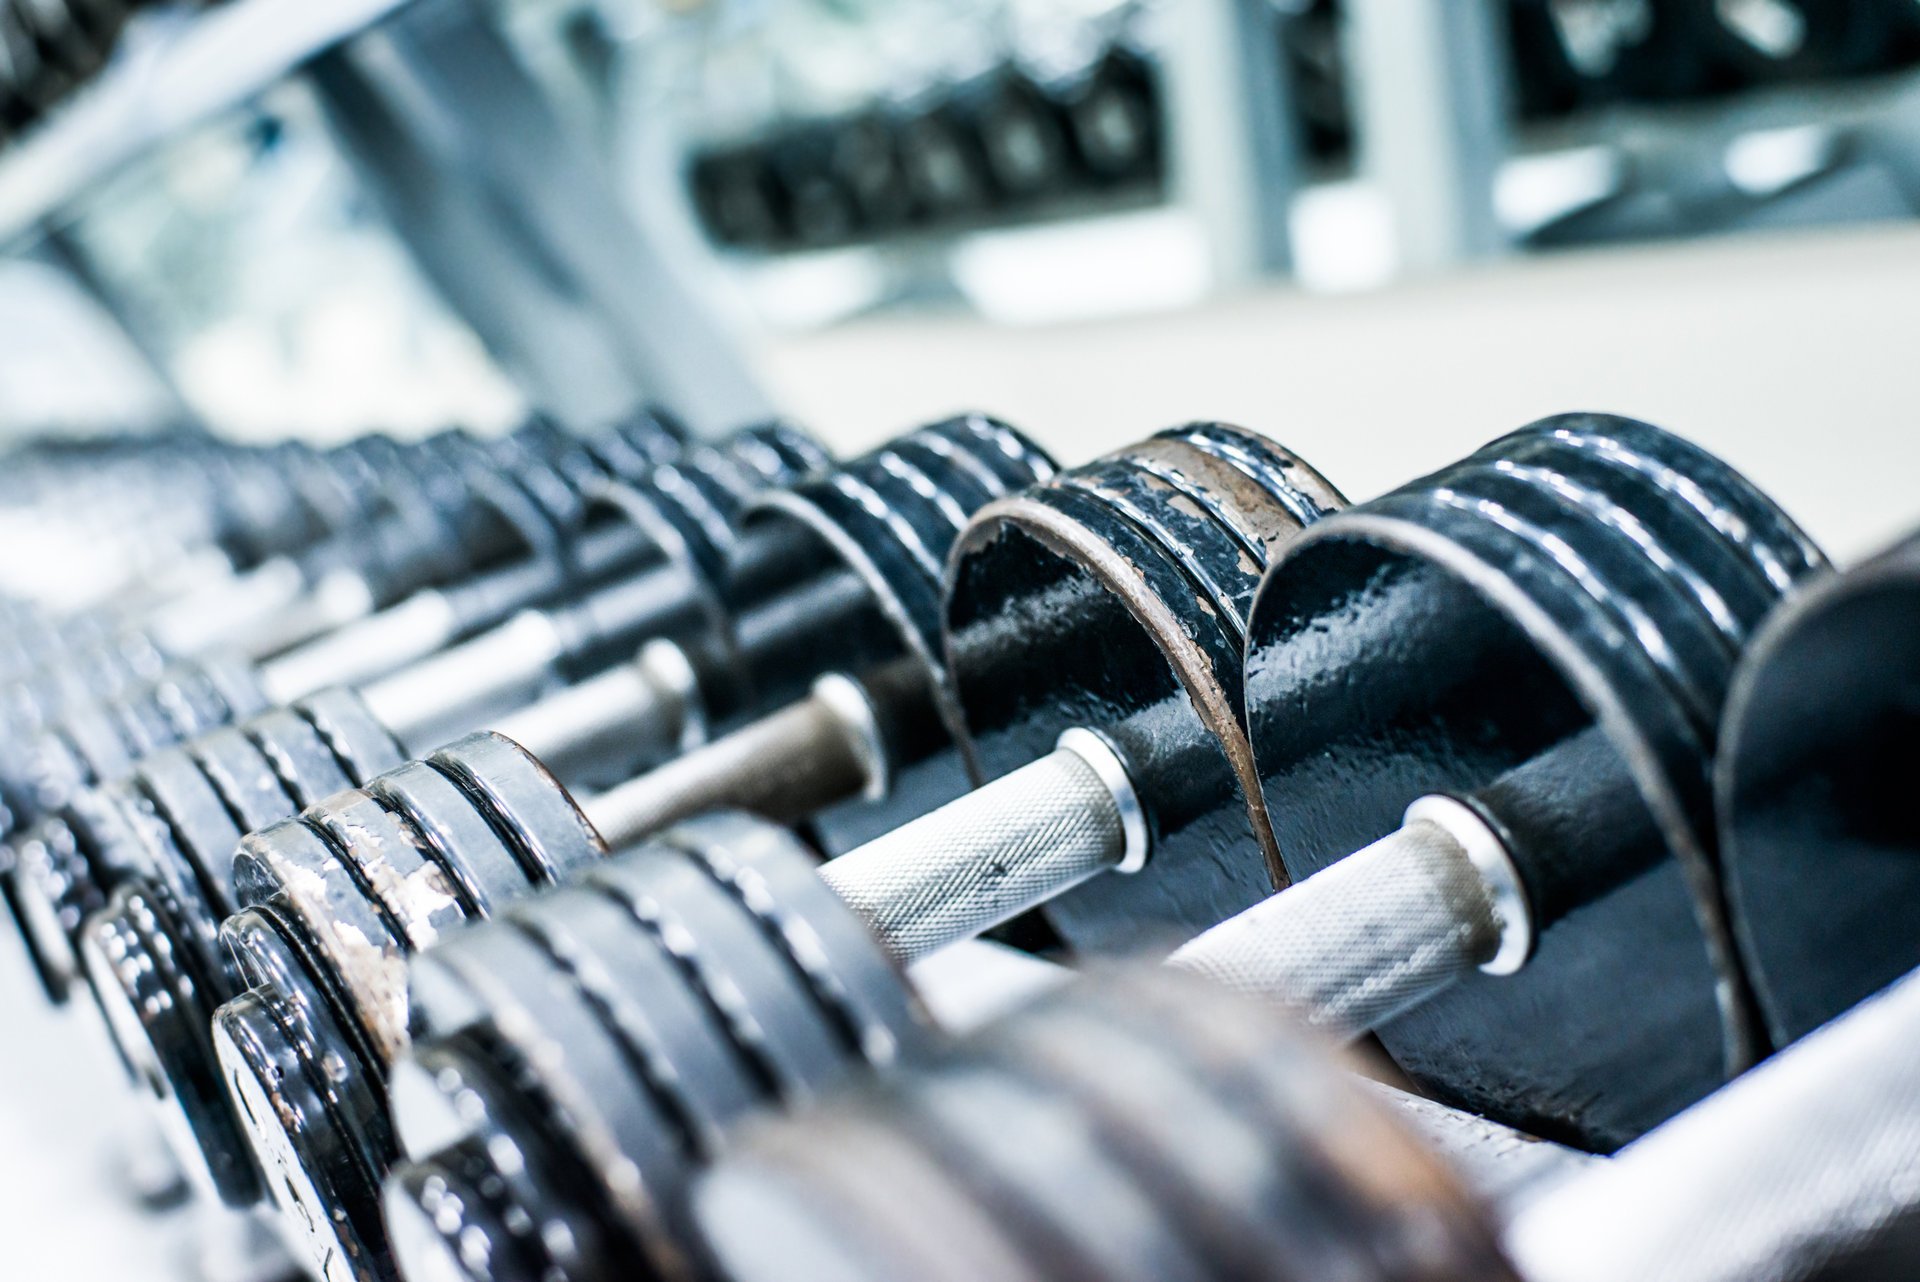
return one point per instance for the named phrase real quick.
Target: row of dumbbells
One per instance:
(1183, 675)
(1001, 145)
(1007, 144)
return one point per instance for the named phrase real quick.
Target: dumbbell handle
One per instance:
(437, 698)
(784, 767)
(1381, 930)
(1805, 1162)
(644, 710)
(431, 619)
(373, 647)
(996, 852)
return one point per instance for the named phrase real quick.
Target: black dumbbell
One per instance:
(573, 1062)
(576, 1062)
(1202, 500)
(1129, 1127)
(558, 677)
(1816, 834)
(738, 197)
(888, 518)
(1582, 55)
(821, 210)
(1114, 118)
(76, 724)
(1546, 629)
(377, 521)
(1535, 648)
(872, 748)
(1768, 41)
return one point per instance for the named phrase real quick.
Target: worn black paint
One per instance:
(1116, 598)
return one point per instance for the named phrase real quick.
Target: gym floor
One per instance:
(1792, 357)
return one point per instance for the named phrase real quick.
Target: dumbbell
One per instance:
(1113, 117)
(466, 507)
(575, 1060)
(1029, 593)
(888, 518)
(430, 514)
(135, 512)
(677, 527)
(579, 1059)
(1544, 630)
(1130, 516)
(820, 209)
(585, 531)
(1816, 835)
(1129, 1127)
(738, 197)
(1547, 765)
(1768, 41)
(947, 171)
(864, 155)
(673, 525)
(811, 759)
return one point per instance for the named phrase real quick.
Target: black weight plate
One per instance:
(201, 834)
(537, 1200)
(85, 746)
(353, 941)
(456, 833)
(842, 1193)
(244, 778)
(361, 744)
(1208, 1169)
(1357, 1194)
(672, 1035)
(410, 889)
(596, 1104)
(444, 1224)
(774, 1019)
(306, 766)
(301, 1122)
(526, 804)
(1029, 1155)
(831, 950)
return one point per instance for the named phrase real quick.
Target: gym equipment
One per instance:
(1548, 625)
(1817, 835)
(1129, 1127)
(806, 761)
(483, 820)
(1533, 649)
(608, 714)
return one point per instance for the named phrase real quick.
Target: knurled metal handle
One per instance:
(784, 767)
(1365, 938)
(996, 852)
